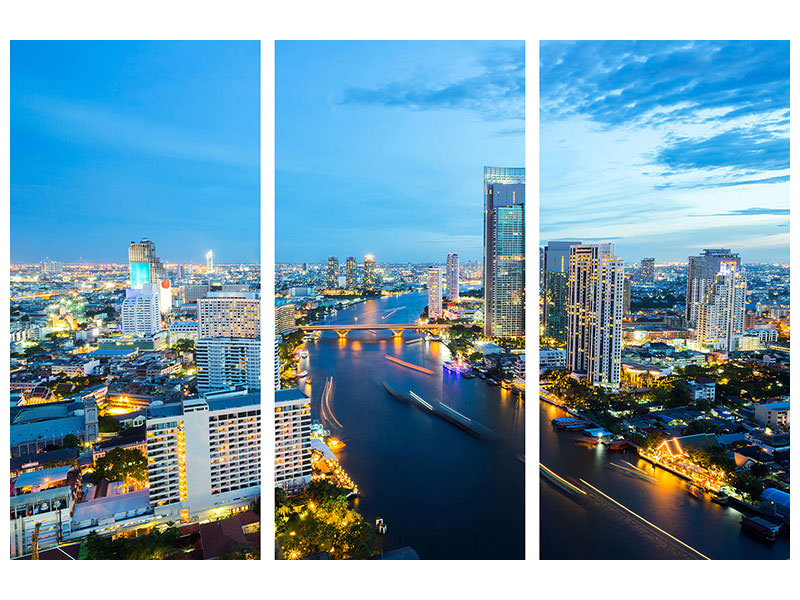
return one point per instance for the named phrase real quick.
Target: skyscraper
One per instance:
(145, 266)
(292, 440)
(434, 293)
(702, 270)
(351, 273)
(229, 314)
(210, 261)
(594, 314)
(646, 273)
(504, 251)
(140, 313)
(223, 362)
(720, 317)
(332, 273)
(626, 296)
(555, 265)
(370, 276)
(452, 277)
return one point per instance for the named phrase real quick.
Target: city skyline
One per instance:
(699, 129)
(139, 139)
(380, 146)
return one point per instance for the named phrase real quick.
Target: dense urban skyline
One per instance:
(124, 140)
(674, 146)
(380, 146)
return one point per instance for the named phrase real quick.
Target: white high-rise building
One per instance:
(434, 293)
(204, 455)
(224, 362)
(720, 318)
(594, 314)
(452, 277)
(292, 440)
(140, 312)
(284, 319)
(278, 340)
(701, 273)
(229, 314)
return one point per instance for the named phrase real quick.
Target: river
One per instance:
(592, 527)
(440, 490)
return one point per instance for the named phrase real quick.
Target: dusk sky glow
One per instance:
(380, 146)
(115, 141)
(665, 148)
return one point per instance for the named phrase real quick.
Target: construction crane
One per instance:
(35, 542)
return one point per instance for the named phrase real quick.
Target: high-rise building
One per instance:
(646, 273)
(626, 296)
(594, 314)
(223, 362)
(49, 267)
(749, 319)
(145, 266)
(370, 276)
(140, 312)
(720, 317)
(351, 273)
(555, 269)
(434, 293)
(210, 261)
(278, 340)
(229, 314)
(284, 319)
(504, 248)
(292, 440)
(452, 277)
(701, 273)
(332, 273)
(204, 455)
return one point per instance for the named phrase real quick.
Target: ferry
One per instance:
(617, 444)
(491, 381)
(302, 374)
(468, 374)
(304, 354)
(759, 526)
(455, 366)
(506, 385)
(695, 490)
(720, 497)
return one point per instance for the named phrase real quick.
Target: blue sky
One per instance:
(115, 141)
(380, 146)
(665, 148)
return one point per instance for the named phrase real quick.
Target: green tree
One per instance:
(120, 464)
(71, 441)
(108, 424)
(184, 345)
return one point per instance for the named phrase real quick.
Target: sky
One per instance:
(380, 146)
(665, 148)
(115, 141)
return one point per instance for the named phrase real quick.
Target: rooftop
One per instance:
(44, 477)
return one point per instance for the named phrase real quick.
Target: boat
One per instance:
(302, 374)
(617, 444)
(695, 490)
(468, 375)
(491, 381)
(481, 374)
(587, 441)
(506, 385)
(766, 530)
(719, 497)
(304, 354)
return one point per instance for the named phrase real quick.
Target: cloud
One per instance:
(740, 150)
(744, 212)
(496, 93)
(718, 184)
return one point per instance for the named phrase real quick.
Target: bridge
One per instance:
(396, 329)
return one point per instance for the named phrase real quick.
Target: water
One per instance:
(591, 527)
(439, 489)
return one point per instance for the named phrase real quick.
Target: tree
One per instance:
(120, 464)
(71, 441)
(243, 551)
(748, 484)
(184, 345)
(108, 424)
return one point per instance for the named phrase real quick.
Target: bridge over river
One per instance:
(395, 328)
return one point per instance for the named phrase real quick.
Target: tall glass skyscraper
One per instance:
(145, 267)
(332, 273)
(555, 266)
(370, 276)
(350, 273)
(504, 251)
(452, 278)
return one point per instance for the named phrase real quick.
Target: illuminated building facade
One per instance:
(224, 362)
(594, 314)
(49, 267)
(332, 273)
(145, 266)
(646, 273)
(351, 273)
(292, 440)
(720, 318)
(209, 261)
(701, 273)
(141, 316)
(452, 278)
(284, 319)
(504, 248)
(370, 276)
(434, 293)
(555, 266)
(229, 314)
(204, 455)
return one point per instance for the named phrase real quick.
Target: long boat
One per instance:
(759, 526)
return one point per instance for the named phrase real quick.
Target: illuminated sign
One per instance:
(140, 274)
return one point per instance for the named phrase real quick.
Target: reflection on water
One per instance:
(439, 488)
(591, 527)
